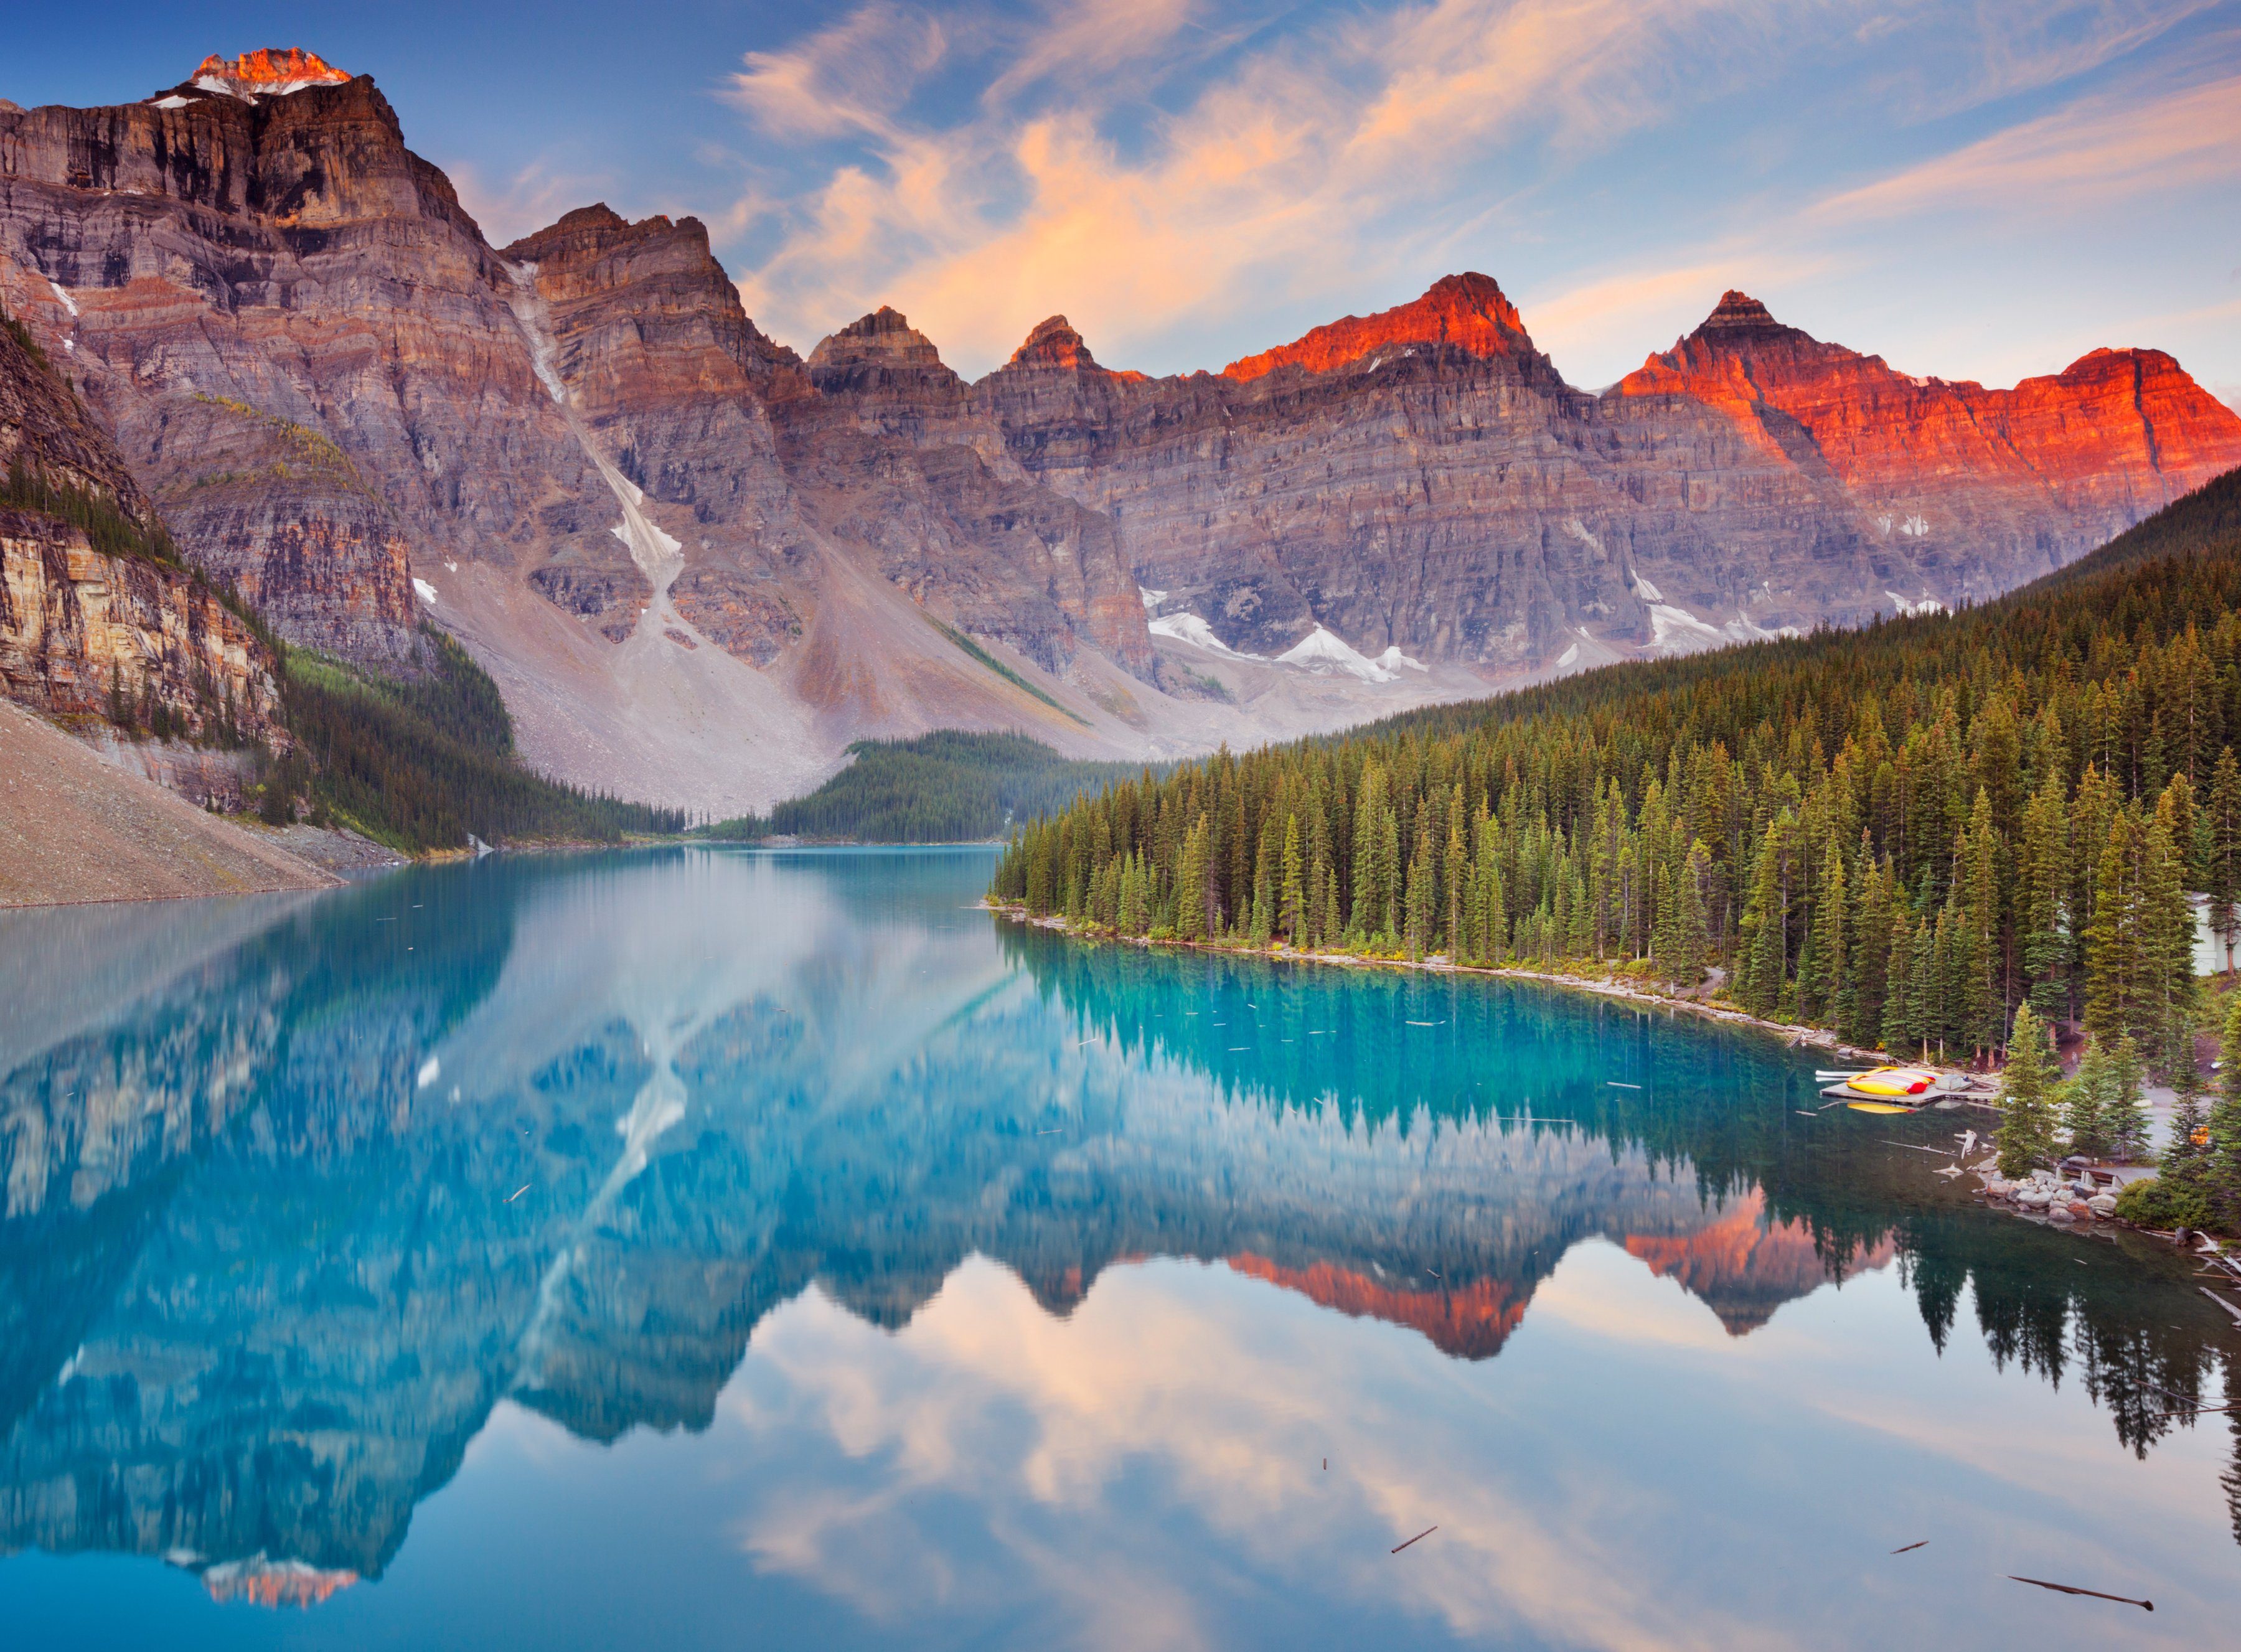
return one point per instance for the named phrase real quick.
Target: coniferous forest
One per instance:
(1901, 833)
(948, 786)
(420, 763)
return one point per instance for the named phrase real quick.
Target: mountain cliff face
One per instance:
(83, 630)
(1992, 486)
(1424, 478)
(699, 564)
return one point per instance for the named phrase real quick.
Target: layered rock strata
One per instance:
(83, 632)
(685, 552)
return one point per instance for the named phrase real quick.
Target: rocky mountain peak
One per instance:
(1740, 318)
(1468, 313)
(884, 337)
(1055, 343)
(271, 71)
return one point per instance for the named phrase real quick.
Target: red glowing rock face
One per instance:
(269, 69)
(1466, 312)
(1744, 1267)
(2122, 431)
(1471, 1322)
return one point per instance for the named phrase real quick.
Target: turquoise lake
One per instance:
(698, 1248)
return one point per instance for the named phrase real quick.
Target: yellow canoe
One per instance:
(1875, 1106)
(1894, 1081)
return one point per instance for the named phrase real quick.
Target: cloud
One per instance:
(1080, 41)
(2093, 151)
(2001, 48)
(1315, 163)
(843, 79)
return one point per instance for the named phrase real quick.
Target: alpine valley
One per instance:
(698, 565)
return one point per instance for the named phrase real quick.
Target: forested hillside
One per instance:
(948, 786)
(1900, 833)
(421, 762)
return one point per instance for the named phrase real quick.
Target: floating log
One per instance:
(2065, 1589)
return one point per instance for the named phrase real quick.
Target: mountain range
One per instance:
(699, 564)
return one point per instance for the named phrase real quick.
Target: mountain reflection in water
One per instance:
(306, 1195)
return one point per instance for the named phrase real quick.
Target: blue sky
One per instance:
(1979, 191)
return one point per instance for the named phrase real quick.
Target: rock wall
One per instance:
(347, 404)
(77, 627)
(81, 631)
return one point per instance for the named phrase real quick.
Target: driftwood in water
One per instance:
(2065, 1589)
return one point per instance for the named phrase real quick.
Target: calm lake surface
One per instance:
(702, 1248)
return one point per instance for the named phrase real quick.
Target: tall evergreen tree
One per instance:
(1291, 907)
(2026, 1132)
(2222, 1155)
(2089, 1101)
(2125, 1118)
(2183, 1174)
(2222, 853)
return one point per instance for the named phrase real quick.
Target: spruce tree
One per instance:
(2222, 1155)
(2167, 926)
(1686, 965)
(1194, 911)
(2125, 1117)
(2182, 1177)
(2112, 940)
(2088, 1101)
(2222, 853)
(2043, 879)
(2026, 1132)
(1899, 1029)
(1291, 915)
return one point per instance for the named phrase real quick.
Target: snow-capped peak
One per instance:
(271, 71)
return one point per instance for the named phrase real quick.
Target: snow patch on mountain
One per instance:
(1188, 627)
(1323, 651)
(1677, 631)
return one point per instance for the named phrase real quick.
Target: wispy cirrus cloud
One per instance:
(2074, 158)
(847, 78)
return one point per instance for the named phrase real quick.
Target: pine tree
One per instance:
(1196, 915)
(2026, 1132)
(2223, 853)
(2167, 980)
(2042, 879)
(1978, 1012)
(2182, 1176)
(2088, 1101)
(2222, 1156)
(1831, 916)
(1291, 915)
(1899, 1025)
(1417, 900)
(2125, 1118)
(1685, 964)
(2112, 940)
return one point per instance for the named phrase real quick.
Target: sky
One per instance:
(1979, 191)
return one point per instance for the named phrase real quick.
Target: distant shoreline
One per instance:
(1794, 1035)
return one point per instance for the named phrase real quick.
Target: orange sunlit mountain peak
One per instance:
(268, 70)
(1467, 311)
